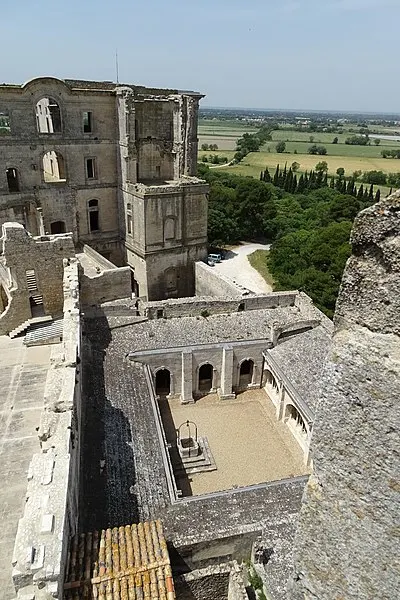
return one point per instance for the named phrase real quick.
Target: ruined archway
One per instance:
(206, 374)
(163, 382)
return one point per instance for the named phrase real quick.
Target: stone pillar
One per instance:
(40, 219)
(225, 391)
(187, 376)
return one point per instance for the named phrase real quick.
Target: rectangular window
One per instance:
(87, 121)
(94, 220)
(129, 217)
(91, 168)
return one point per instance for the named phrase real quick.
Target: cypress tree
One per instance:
(377, 195)
(332, 183)
(325, 181)
(276, 176)
(267, 176)
(366, 195)
(262, 176)
(300, 187)
(294, 185)
(371, 193)
(360, 194)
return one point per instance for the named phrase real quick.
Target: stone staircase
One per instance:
(26, 324)
(36, 299)
(44, 333)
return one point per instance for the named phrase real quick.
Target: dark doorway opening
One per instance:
(246, 373)
(12, 180)
(57, 227)
(163, 382)
(206, 373)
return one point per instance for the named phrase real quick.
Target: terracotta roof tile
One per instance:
(124, 563)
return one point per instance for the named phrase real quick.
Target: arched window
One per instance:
(246, 373)
(12, 179)
(48, 116)
(206, 373)
(57, 227)
(53, 167)
(129, 221)
(294, 419)
(93, 209)
(163, 382)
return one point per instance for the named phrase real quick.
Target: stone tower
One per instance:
(163, 204)
(348, 544)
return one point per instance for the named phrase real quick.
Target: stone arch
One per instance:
(246, 372)
(295, 420)
(162, 381)
(48, 115)
(271, 385)
(53, 167)
(205, 378)
(12, 179)
(57, 227)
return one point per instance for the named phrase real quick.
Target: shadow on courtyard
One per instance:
(182, 479)
(108, 474)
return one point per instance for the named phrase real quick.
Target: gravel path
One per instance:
(237, 267)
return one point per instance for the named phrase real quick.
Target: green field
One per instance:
(259, 261)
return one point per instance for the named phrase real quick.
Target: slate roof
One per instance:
(301, 360)
(191, 331)
(127, 562)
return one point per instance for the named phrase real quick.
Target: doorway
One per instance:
(163, 382)
(246, 373)
(206, 373)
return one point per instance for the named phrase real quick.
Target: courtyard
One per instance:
(248, 444)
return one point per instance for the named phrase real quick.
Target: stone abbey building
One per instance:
(159, 423)
(113, 164)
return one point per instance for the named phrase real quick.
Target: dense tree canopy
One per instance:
(309, 230)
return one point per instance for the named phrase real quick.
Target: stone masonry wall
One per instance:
(51, 510)
(210, 283)
(45, 256)
(347, 542)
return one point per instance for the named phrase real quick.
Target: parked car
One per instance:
(215, 257)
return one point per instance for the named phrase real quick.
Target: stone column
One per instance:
(225, 391)
(187, 375)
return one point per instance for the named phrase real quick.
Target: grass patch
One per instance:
(259, 261)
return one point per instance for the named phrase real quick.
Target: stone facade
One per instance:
(114, 165)
(347, 543)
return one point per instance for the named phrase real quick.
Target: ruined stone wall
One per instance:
(109, 285)
(44, 255)
(347, 543)
(51, 510)
(24, 149)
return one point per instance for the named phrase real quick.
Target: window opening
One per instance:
(12, 180)
(91, 168)
(4, 123)
(57, 227)
(93, 215)
(48, 116)
(53, 167)
(87, 121)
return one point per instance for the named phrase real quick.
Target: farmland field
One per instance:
(256, 161)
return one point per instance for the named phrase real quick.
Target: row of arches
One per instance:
(292, 416)
(205, 378)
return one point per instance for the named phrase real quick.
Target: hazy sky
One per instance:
(316, 54)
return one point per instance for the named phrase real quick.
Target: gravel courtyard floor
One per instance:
(248, 444)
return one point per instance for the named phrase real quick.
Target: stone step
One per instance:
(26, 324)
(44, 333)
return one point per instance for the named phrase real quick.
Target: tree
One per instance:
(205, 147)
(356, 174)
(295, 166)
(322, 167)
(377, 141)
(280, 147)
(375, 177)
(340, 172)
(335, 140)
